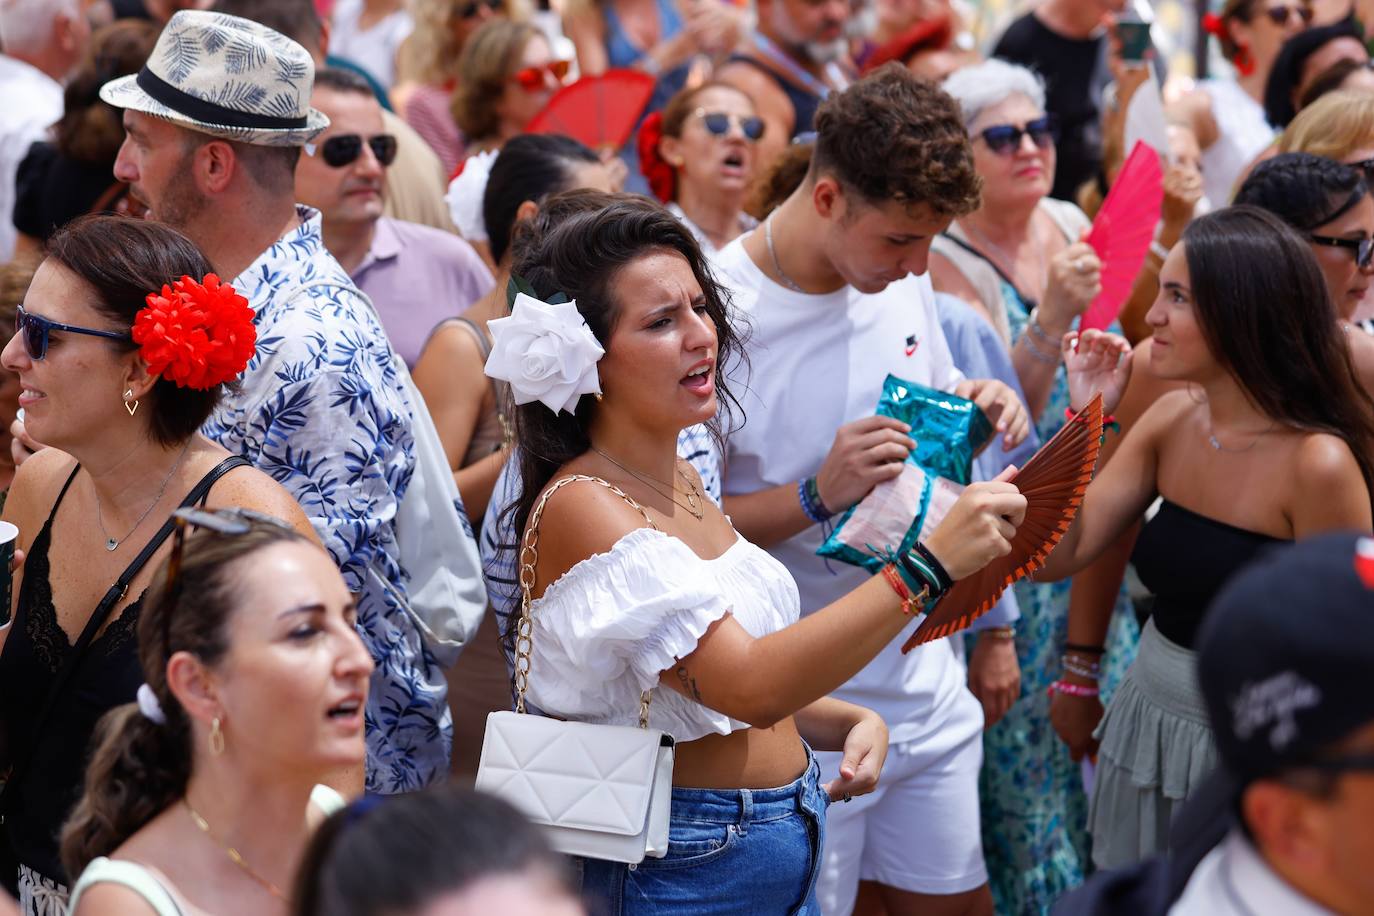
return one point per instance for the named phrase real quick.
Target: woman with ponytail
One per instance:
(699, 155)
(1227, 115)
(201, 795)
(126, 340)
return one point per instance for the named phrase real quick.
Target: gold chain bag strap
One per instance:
(600, 791)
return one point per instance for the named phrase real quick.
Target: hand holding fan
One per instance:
(1053, 482)
(1122, 232)
(600, 111)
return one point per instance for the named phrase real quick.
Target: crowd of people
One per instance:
(392, 414)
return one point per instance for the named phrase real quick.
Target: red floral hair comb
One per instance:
(662, 177)
(196, 334)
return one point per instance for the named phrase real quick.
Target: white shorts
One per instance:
(919, 831)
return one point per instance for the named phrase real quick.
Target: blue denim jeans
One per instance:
(729, 851)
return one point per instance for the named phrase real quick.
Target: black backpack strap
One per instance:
(102, 613)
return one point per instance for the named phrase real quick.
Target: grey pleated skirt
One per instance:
(1156, 747)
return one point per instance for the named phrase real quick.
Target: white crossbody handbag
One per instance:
(600, 791)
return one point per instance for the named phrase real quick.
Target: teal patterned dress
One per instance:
(1034, 807)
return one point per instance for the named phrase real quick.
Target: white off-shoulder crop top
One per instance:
(605, 629)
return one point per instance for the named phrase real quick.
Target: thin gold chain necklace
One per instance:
(693, 506)
(234, 855)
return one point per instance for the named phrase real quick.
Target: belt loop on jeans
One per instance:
(746, 810)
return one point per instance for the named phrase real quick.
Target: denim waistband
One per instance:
(743, 806)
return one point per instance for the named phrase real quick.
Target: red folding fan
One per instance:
(1123, 230)
(1053, 482)
(600, 111)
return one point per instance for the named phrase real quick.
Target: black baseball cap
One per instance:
(1286, 652)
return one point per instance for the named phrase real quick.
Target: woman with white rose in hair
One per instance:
(641, 579)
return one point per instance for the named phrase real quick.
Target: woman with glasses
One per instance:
(1330, 205)
(1227, 115)
(202, 793)
(506, 75)
(699, 155)
(427, 70)
(1270, 438)
(125, 343)
(1018, 261)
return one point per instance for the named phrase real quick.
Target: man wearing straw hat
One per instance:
(215, 124)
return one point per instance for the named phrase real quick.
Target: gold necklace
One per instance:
(234, 855)
(694, 497)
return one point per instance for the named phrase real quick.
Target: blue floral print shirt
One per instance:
(323, 410)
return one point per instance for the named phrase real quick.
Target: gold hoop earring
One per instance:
(216, 738)
(132, 408)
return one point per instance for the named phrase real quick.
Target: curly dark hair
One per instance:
(1303, 190)
(895, 136)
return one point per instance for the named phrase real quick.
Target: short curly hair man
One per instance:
(895, 136)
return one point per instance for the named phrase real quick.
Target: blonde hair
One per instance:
(1334, 126)
(483, 68)
(429, 55)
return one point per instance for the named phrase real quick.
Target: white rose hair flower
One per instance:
(546, 352)
(465, 193)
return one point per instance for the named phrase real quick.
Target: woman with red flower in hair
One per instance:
(125, 342)
(700, 155)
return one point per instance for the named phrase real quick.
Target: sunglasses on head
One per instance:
(1279, 15)
(1005, 139)
(531, 79)
(1363, 249)
(34, 330)
(229, 522)
(719, 123)
(473, 7)
(345, 149)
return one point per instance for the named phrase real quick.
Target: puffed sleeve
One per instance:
(605, 630)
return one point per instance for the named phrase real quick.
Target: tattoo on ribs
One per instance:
(688, 682)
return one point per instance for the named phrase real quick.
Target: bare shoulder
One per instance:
(581, 519)
(450, 351)
(250, 488)
(34, 489)
(1169, 408)
(1324, 461)
(110, 899)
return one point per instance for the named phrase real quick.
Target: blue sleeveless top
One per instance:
(620, 51)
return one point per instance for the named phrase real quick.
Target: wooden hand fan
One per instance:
(1053, 482)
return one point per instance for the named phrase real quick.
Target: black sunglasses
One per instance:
(34, 329)
(1363, 248)
(471, 8)
(1003, 139)
(344, 149)
(718, 123)
(229, 522)
(1279, 15)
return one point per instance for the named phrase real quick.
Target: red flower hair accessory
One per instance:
(662, 176)
(1212, 25)
(198, 335)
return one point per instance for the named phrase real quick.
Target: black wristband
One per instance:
(940, 572)
(1086, 650)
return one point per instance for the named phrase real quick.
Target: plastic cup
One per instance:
(9, 536)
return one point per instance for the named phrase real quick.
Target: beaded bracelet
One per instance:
(1074, 666)
(1073, 690)
(809, 495)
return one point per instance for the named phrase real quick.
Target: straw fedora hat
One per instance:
(227, 77)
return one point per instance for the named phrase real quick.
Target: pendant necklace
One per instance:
(112, 544)
(694, 496)
(772, 253)
(234, 855)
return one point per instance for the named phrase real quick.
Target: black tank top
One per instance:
(1184, 559)
(107, 675)
(804, 102)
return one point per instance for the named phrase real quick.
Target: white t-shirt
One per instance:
(33, 103)
(1233, 880)
(815, 364)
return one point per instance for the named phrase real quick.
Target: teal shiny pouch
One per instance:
(948, 431)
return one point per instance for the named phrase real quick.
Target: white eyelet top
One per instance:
(606, 628)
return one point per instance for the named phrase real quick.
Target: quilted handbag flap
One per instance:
(571, 774)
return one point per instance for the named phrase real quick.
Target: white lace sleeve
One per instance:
(606, 629)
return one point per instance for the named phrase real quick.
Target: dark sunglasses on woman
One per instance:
(1004, 139)
(531, 79)
(345, 149)
(719, 123)
(34, 330)
(473, 7)
(1362, 249)
(1279, 15)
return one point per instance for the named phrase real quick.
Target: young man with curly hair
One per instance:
(834, 291)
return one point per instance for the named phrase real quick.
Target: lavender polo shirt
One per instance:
(417, 276)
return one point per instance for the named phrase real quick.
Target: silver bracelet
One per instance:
(1039, 329)
(1049, 359)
